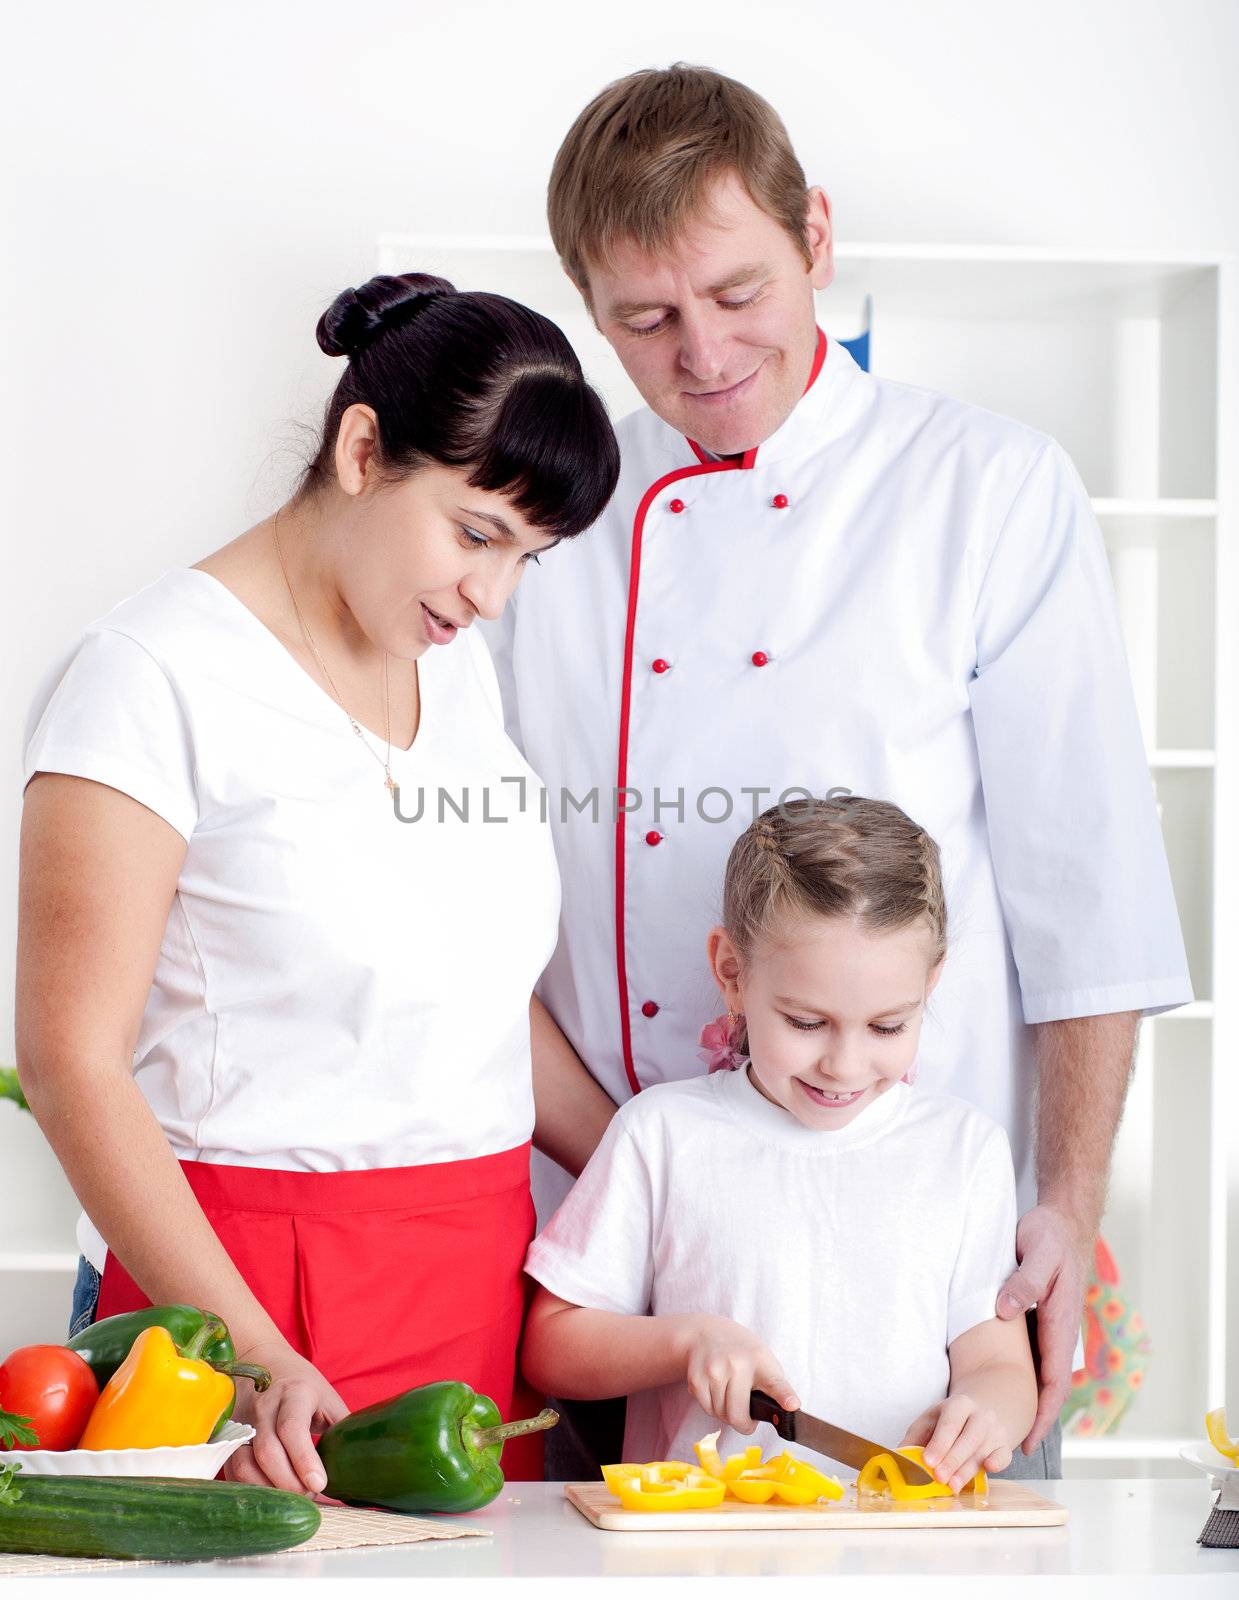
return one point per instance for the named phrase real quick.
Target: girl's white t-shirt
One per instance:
(856, 1255)
(336, 989)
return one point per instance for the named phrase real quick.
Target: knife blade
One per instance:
(801, 1428)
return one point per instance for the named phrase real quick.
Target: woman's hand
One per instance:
(960, 1436)
(300, 1401)
(725, 1364)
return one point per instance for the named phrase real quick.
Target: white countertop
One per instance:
(1124, 1530)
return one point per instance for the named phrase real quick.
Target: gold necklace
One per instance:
(353, 722)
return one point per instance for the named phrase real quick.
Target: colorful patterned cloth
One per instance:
(1116, 1353)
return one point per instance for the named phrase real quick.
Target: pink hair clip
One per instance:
(718, 1040)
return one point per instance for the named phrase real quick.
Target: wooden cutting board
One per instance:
(1009, 1504)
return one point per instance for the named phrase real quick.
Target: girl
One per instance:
(275, 1089)
(808, 1223)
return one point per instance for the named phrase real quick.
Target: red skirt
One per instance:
(384, 1279)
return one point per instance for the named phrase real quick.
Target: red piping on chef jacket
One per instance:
(746, 461)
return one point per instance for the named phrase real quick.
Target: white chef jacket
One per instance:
(898, 594)
(336, 989)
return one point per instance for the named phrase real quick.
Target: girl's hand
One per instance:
(725, 1364)
(299, 1401)
(960, 1437)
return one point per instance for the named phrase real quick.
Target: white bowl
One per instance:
(164, 1461)
(1206, 1459)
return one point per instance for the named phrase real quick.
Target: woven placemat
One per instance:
(343, 1528)
(1221, 1531)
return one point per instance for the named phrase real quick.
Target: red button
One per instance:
(653, 838)
(676, 505)
(649, 1009)
(779, 502)
(760, 658)
(660, 665)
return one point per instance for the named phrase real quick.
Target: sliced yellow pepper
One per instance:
(1218, 1432)
(668, 1471)
(881, 1475)
(713, 1463)
(663, 1486)
(799, 1483)
(157, 1396)
(755, 1487)
(621, 1472)
(677, 1486)
(787, 1478)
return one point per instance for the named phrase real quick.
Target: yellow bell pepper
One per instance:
(622, 1472)
(677, 1486)
(753, 1491)
(663, 1486)
(713, 1463)
(157, 1396)
(785, 1477)
(1219, 1435)
(881, 1475)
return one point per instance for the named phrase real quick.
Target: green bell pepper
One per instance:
(104, 1345)
(434, 1448)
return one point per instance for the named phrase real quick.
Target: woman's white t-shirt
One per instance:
(856, 1255)
(336, 989)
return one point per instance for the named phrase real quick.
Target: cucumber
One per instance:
(152, 1519)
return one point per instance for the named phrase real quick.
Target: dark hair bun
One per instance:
(355, 318)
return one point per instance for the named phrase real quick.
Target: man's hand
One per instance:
(1052, 1275)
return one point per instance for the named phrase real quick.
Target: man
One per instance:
(811, 578)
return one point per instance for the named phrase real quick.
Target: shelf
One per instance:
(1196, 1011)
(977, 283)
(1179, 510)
(1139, 261)
(1121, 1449)
(38, 1261)
(998, 326)
(1183, 759)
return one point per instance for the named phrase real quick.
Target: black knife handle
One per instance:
(762, 1408)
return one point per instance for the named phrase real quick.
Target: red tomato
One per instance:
(54, 1388)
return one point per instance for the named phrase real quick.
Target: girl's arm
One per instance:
(571, 1110)
(581, 1354)
(989, 1408)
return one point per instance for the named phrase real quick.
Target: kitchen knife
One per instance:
(826, 1439)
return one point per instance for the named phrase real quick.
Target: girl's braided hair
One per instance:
(841, 856)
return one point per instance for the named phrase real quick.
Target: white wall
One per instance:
(186, 187)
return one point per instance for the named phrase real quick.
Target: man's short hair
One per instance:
(636, 163)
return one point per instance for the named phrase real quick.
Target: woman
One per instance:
(278, 1033)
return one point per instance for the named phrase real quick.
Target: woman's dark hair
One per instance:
(475, 381)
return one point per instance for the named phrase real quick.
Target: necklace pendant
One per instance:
(391, 784)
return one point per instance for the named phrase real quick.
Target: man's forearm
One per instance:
(1084, 1065)
(571, 1110)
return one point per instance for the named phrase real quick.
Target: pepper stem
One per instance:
(212, 1328)
(243, 1369)
(481, 1438)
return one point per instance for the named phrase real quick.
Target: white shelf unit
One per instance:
(38, 1261)
(1131, 362)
